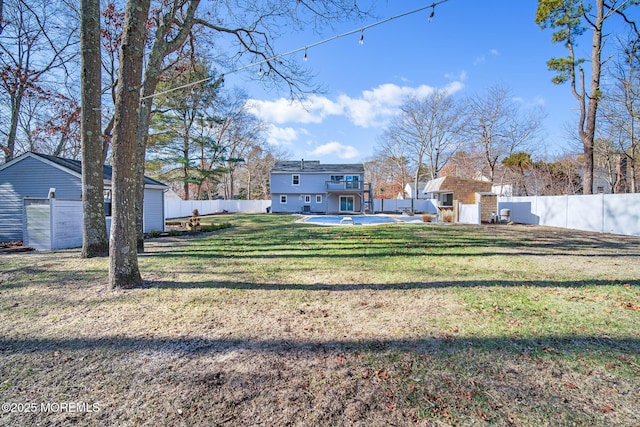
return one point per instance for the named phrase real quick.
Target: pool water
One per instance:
(338, 220)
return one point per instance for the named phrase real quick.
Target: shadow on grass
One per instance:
(385, 286)
(296, 241)
(543, 344)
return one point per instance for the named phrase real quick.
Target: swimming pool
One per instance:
(340, 219)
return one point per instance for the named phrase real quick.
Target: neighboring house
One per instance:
(40, 176)
(410, 193)
(310, 187)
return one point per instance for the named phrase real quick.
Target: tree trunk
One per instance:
(16, 104)
(94, 228)
(153, 70)
(588, 135)
(123, 257)
(621, 175)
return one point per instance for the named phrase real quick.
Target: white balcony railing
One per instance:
(344, 185)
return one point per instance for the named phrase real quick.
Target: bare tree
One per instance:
(255, 171)
(571, 18)
(620, 113)
(429, 128)
(237, 131)
(392, 151)
(36, 40)
(252, 27)
(497, 127)
(386, 177)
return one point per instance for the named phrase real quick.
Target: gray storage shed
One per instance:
(35, 176)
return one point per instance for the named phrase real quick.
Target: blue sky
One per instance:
(468, 46)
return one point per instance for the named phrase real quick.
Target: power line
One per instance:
(304, 49)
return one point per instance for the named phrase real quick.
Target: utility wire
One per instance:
(432, 6)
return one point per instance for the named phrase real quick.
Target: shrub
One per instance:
(447, 215)
(154, 233)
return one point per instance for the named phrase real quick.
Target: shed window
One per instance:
(107, 202)
(295, 179)
(446, 199)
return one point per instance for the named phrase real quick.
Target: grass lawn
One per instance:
(271, 322)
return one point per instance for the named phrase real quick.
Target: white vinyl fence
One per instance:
(401, 205)
(603, 213)
(52, 223)
(469, 214)
(184, 208)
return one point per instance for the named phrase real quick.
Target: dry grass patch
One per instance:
(274, 323)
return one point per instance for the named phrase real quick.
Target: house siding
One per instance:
(30, 178)
(310, 184)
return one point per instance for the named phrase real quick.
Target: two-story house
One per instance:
(310, 187)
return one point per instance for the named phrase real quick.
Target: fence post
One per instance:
(52, 222)
(602, 212)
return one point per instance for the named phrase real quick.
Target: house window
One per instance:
(107, 202)
(446, 199)
(307, 199)
(319, 198)
(283, 200)
(337, 178)
(295, 179)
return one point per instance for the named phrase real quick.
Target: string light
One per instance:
(277, 57)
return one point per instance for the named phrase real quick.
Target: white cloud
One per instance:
(335, 148)
(461, 76)
(372, 108)
(281, 136)
(312, 110)
(494, 52)
(539, 101)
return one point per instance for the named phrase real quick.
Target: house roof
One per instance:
(434, 185)
(74, 166)
(444, 184)
(314, 166)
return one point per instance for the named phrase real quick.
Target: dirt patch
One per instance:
(282, 324)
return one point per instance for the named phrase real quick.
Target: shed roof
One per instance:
(73, 166)
(434, 185)
(314, 166)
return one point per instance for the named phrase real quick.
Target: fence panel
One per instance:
(184, 208)
(66, 220)
(469, 214)
(603, 213)
(399, 205)
(621, 213)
